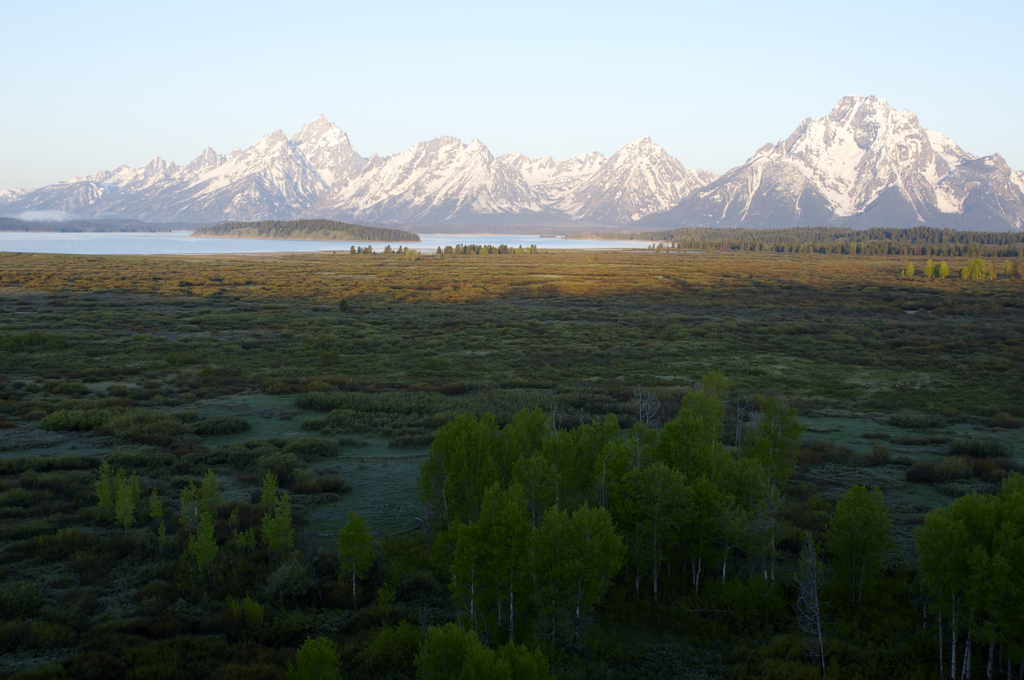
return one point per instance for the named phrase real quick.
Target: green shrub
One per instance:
(216, 425)
(915, 421)
(907, 440)
(181, 358)
(151, 428)
(391, 651)
(18, 532)
(311, 448)
(14, 466)
(132, 457)
(977, 448)
(77, 420)
(188, 417)
(323, 484)
(21, 600)
(1003, 420)
(284, 465)
(30, 341)
(315, 424)
(930, 472)
(17, 498)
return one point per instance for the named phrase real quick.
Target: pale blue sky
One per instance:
(88, 86)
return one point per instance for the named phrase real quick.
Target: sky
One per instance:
(90, 86)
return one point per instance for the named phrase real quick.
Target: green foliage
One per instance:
(283, 466)
(203, 547)
(189, 506)
(209, 494)
(452, 479)
(216, 425)
(311, 448)
(317, 659)
(126, 496)
(355, 546)
(268, 495)
(860, 537)
(777, 439)
(105, 488)
(915, 420)
(276, 527)
(153, 428)
(977, 448)
(392, 650)
(943, 270)
(20, 600)
(26, 342)
(930, 472)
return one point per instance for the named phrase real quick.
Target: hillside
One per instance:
(307, 230)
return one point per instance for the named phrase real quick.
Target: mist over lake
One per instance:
(180, 243)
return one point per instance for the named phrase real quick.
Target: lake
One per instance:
(180, 243)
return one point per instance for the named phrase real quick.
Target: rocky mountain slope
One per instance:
(865, 164)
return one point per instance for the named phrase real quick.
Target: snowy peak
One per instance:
(864, 164)
(639, 179)
(328, 150)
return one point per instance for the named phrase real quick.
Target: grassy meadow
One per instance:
(334, 371)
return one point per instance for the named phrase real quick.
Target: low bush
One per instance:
(134, 457)
(284, 465)
(915, 421)
(322, 484)
(411, 441)
(151, 428)
(216, 425)
(977, 448)
(875, 435)
(1003, 420)
(880, 454)
(78, 420)
(352, 442)
(20, 600)
(932, 472)
(311, 448)
(15, 466)
(907, 440)
(314, 424)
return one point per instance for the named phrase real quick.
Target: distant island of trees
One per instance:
(310, 230)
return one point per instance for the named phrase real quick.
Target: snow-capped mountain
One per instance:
(865, 164)
(316, 172)
(437, 181)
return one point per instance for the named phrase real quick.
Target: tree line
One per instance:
(306, 229)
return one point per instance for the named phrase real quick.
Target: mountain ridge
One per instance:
(316, 173)
(863, 164)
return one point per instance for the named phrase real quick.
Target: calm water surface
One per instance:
(180, 243)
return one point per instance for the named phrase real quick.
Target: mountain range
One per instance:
(864, 164)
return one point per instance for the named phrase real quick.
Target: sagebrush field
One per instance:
(199, 378)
